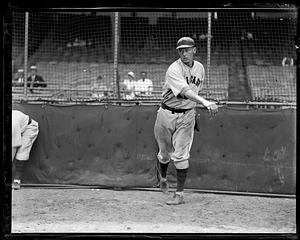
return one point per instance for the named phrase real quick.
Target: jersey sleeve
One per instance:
(202, 77)
(175, 80)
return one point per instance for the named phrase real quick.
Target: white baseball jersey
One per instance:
(179, 79)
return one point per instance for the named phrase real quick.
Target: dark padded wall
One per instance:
(106, 145)
(246, 150)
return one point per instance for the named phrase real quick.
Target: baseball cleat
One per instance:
(163, 184)
(16, 184)
(177, 199)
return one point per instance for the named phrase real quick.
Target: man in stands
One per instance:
(129, 86)
(287, 61)
(144, 85)
(35, 80)
(19, 80)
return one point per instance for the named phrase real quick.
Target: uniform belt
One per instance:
(29, 121)
(174, 110)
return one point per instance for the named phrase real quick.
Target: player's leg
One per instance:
(182, 142)
(22, 155)
(163, 130)
(13, 153)
(19, 168)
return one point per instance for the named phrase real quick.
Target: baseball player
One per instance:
(24, 133)
(175, 121)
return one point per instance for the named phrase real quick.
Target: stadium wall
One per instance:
(244, 150)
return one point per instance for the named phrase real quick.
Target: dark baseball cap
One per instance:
(185, 42)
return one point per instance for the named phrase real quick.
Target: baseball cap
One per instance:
(185, 42)
(131, 74)
(20, 70)
(33, 67)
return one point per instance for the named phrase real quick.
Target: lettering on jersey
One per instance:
(193, 80)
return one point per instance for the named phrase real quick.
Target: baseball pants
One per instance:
(174, 133)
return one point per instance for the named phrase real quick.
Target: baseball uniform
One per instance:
(174, 132)
(24, 133)
(175, 121)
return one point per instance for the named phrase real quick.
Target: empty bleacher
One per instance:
(275, 83)
(238, 67)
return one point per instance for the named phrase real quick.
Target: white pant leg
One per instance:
(183, 139)
(163, 130)
(13, 152)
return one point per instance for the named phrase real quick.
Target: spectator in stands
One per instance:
(246, 35)
(19, 80)
(128, 86)
(203, 36)
(35, 80)
(287, 61)
(144, 85)
(79, 43)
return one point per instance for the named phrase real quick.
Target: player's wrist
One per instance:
(206, 103)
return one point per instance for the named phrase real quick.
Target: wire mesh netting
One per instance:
(73, 56)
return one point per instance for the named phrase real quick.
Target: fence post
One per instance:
(26, 53)
(116, 51)
(208, 50)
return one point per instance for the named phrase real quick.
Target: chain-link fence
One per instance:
(249, 55)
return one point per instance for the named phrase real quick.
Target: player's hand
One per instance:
(212, 107)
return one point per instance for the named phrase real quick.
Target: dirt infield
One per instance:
(42, 210)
